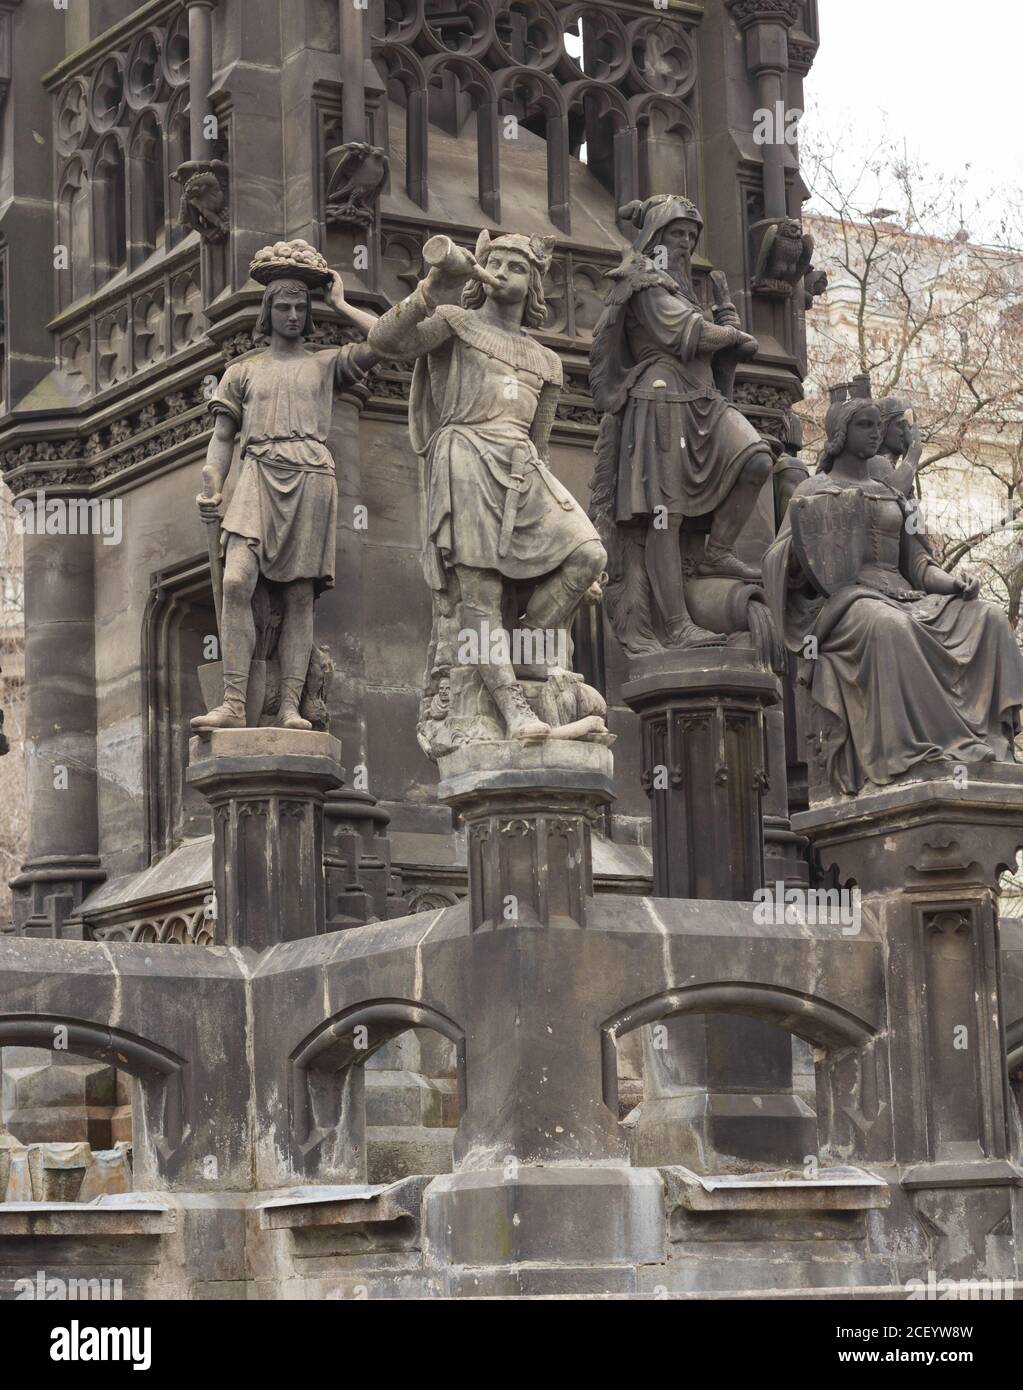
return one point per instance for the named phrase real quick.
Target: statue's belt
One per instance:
(290, 464)
(660, 394)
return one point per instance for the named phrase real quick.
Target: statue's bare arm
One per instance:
(218, 462)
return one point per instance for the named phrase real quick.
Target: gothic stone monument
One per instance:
(507, 1004)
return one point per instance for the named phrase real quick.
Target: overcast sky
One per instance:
(946, 77)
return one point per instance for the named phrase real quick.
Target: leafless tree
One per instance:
(936, 319)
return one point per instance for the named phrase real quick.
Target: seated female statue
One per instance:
(903, 663)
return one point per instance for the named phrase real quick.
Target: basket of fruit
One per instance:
(290, 260)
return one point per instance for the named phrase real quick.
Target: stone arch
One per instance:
(814, 1019)
(599, 116)
(109, 204)
(147, 187)
(469, 79)
(74, 231)
(325, 1075)
(666, 146)
(537, 99)
(159, 1071)
(405, 71)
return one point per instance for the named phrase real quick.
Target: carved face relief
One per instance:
(679, 241)
(863, 437)
(512, 271)
(897, 437)
(288, 314)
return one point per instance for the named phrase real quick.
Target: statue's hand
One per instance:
(335, 293)
(209, 505)
(747, 346)
(968, 585)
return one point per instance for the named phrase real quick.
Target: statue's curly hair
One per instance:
(535, 315)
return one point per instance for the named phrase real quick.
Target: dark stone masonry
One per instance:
(424, 896)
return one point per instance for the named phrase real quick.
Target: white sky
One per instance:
(945, 77)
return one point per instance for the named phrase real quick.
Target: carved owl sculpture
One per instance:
(791, 252)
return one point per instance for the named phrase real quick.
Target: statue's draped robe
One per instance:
(900, 677)
(480, 413)
(284, 502)
(681, 444)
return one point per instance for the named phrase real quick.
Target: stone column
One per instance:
(267, 788)
(718, 1089)
(784, 851)
(351, 19)
(360, 882)
(704, 760)
(61, 864)
(47, 1097)
(540, 1171)
(200, 75)
(766, 24)
(933, 1104)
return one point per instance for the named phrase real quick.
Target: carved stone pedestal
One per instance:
(541, 1174)
(926, 857)
(704, 760)
(529, 810)
(267, 788)
(718, 1090)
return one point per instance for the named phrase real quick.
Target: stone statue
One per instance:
(903, 664)
(901, 445)
(671, 444)
(509, 554)
(279, 529)
(789, 469)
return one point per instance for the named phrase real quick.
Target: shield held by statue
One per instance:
(829, 533)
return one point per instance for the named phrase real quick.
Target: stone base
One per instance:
(49, 1100)
(722, 1131)
(560, 1215)
(939, 825)
(529, 808)
(705, 769)
(267, 788)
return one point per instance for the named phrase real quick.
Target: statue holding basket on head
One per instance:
(272, 550)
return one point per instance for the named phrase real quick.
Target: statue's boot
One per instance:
(231, 714)
(683, 632)
(291, 701)
(721, 562)
(519, 719)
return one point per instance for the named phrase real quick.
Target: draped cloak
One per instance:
(901, 677)
(681, 444)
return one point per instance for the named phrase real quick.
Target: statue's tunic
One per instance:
(682, 445)
(285, 499)
(480, 413)
(901, 677)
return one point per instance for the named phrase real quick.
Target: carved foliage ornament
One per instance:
(747, 12)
